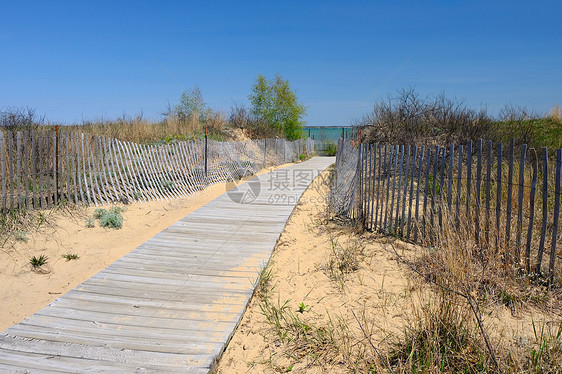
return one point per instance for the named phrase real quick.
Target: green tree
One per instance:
(274, 103)
(192, 104)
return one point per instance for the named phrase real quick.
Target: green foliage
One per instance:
(70, 256)
(192, 105)
(546, 353)
(90, 223)
(21, 236)
(98, 213)
(276, 105)
(38, 261)
(330, 149)
(536, 132)
(302, 307)
(112, 218)
(115, 209)
(441, 337)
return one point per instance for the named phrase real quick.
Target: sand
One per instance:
(380, 296)
(23, 290)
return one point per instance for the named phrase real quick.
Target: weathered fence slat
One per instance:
(373, 181)
(488, 192)
(19, 153)
(397, 219)
(25, 169)
(3, 166)
(442, 186)
(390, 217)
(67, 160)
(468, 180)
(417, 205)
(54, 158)
(11, 170)
(146, 173)
(509, 192)
(405, 193)
(101, 174)
(384, 178)
(368, 177)
(94, 174)
(73, 152)
(378, 185)
(34, 170)
(535, 167)
(459, 187)
(408, 228)
(450, 179)
(41, 163)
(478, 190)
(434, 188)
(520, 191)
(556, 215)
(426, 192)
(499, 197)
(544, 209)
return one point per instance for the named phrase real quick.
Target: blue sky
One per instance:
(77, 59)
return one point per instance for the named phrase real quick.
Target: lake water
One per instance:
(328, 134)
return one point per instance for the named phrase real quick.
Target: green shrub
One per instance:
(330, 149)
(112, 220)
(116, 209)
(98, 213)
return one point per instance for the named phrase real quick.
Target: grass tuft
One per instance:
(37, 262)
(70, 256)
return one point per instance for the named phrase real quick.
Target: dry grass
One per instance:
(556, 114)
(379, 305)
(140, 130)
(470, 281)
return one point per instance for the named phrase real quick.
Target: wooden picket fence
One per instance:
(41, 169)
(505, 198)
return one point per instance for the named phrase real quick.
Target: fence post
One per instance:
(206, 152)
(56, 166)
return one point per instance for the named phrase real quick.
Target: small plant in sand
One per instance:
(21, 236)
(98, 213)
(344, 259)
(302, 307)
(37, 262)
(70, 256)
(111, 218)
(90, 223)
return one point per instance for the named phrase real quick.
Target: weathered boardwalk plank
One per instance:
(172, 304)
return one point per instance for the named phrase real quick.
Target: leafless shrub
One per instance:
(239, 116)
(16, 119)
(409, 118)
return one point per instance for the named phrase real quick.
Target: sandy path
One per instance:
(24, 291)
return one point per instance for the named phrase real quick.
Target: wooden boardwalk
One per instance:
(172, 304)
